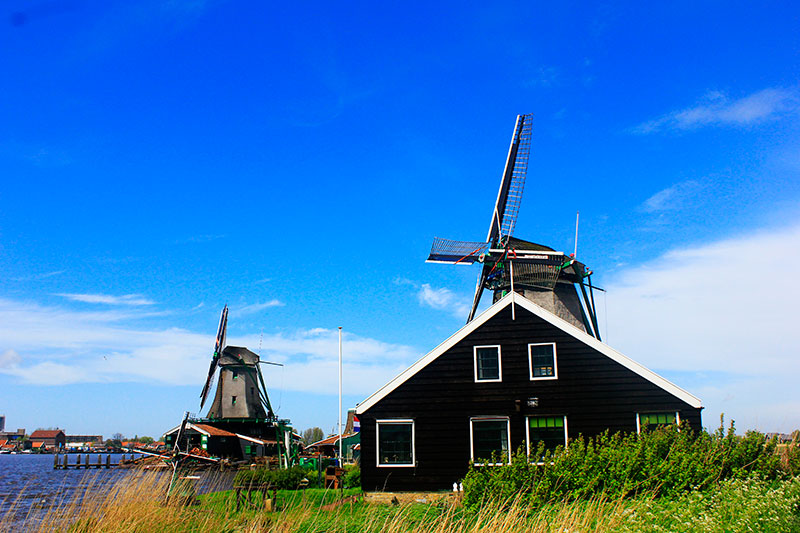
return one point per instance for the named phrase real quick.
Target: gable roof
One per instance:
(332, 440)
(563, 325)
(45, 433)
(203, 429)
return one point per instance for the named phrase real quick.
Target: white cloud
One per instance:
(727, 307)
(672, 198)
(9, 359)
(443, 299)
(125, 299)
(37, 277)
(48, 345)
(717, 109)
(254, 308)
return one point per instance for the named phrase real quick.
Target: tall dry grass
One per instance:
(137, 503)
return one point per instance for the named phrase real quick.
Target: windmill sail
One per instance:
(219, 346)
(509, 197)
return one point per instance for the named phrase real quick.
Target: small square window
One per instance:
(542, 361)
(489, 435)
(235, 375)
(233, 400)
(395, 442)
(651, 421)
(487, 363)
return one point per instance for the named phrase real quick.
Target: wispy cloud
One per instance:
(37, 277)
(48, 345)
(125, 299)
(254, 308)
(439, 298)
(716, 108)
(721, 307)
(672, 198)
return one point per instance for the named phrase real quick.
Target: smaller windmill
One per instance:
(540, 273)
(241, 392)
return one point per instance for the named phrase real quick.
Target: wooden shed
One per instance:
(514, 376)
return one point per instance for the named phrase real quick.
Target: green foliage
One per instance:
(735, 505)
(666, 462)
(352, 477)
(288, 479)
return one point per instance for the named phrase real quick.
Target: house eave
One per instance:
(566, 327)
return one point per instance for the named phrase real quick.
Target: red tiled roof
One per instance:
(37, 444)
(45, 433)
(3, 442)
(215, 432)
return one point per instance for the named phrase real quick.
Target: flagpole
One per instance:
(341, 458)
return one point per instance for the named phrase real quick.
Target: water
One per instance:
(28, 482)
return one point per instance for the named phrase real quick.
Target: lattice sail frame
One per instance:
(519, 172)
(456, 252)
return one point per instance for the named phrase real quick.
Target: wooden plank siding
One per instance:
(593, 391)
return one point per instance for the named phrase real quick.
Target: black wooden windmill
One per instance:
(241, 393)
(547, 277)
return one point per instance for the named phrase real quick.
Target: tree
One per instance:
(146, 440)
(312, 435)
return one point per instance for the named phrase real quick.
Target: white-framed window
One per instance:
(489, 435)
(552, 430)
(394, 442)
(651, 420)
(542, 360)
(488, 363)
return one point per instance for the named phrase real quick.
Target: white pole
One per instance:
(577, 217)
(511, 267)
(341, 457)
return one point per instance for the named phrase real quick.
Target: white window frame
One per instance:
(530, 361)
(388, 421)
(473, 419)
(639, 413)
(528, 433)
(499, 363)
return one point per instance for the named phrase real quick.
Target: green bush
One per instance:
(288, 479)
(352, 477)
(664, 462)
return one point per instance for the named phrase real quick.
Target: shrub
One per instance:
(288, 479)
(352, 477)
(664, 462)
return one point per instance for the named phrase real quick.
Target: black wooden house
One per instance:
(515, 375)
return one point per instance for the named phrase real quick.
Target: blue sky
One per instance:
(162, 158)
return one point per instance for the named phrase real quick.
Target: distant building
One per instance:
(84, 440)
(52, 438)
(329, 447)
(19, 434)
(2, 423)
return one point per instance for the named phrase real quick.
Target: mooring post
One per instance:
(66, 461)
(108, 461)
(99, 460)
(55, 461)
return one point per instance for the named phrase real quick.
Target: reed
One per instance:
(136, 503)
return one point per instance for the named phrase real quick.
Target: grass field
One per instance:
(137, 504)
